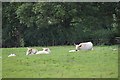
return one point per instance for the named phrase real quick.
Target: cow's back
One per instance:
(86, 46)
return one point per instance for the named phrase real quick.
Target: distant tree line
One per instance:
(59, 23)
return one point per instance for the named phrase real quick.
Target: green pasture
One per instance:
(102, 62)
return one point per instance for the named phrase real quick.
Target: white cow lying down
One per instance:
(31, 51)
(11, 55)
(84, 46)
(44, 51)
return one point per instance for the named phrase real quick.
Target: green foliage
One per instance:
(12, 29)
(44, 23)
(102, 62)
(103, 36)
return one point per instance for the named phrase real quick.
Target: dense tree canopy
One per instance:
(61, 23)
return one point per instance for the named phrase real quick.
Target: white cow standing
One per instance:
(84, 46)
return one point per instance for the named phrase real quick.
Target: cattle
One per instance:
(31, 51)
(44, 51)
(11, 55)
(84, 46)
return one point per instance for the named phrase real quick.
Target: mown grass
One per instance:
(102, 62)
(0, 63)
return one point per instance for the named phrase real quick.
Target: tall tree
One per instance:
(12, 29)
(62, 23)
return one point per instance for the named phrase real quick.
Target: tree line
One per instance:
(59, 23)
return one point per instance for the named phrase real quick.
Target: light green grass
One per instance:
(102, 62)
(0, 63)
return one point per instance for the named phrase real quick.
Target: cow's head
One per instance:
(29, 50)
(77, 46)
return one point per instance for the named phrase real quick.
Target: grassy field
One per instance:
(102, 62)
(0, 63)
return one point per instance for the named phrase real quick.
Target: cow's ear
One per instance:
(31, 49)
